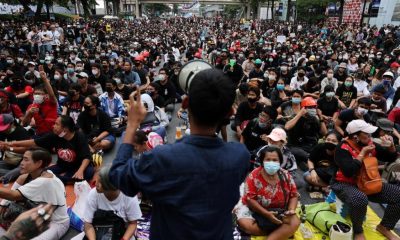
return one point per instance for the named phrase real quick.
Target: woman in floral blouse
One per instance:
(269, 200)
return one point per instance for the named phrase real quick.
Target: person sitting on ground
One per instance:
(347, 115)
(111, 102)
(74, 161)
(153, 90)
(73, 103)
(10, 131)
(156, 119)
(328, 105)
(21, 91)
(288, 109)
(36, 185)
(321, 164)
(378, 102)
(277, 138)
(43, 110)
(254, 135)
(347, 93)
(96, 125)
(247, 110)
(145, 142)
(264, 211)
(6, 106)
(107, 204)
(304, 130)
(348, 156)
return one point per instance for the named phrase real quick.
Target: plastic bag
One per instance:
(81, 191)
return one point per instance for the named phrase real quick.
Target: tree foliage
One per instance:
(158, 8)
(231, 11)
(311, 10)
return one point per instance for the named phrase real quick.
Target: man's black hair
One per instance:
(112, 81)
(211, 96)
(255, 90)
(271, 111)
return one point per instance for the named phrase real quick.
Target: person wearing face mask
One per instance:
(73, 58)
(87, 89)
(7, 106)
(328, 105)
(107, 71)
(361, 85)
(348, 156)
(111, 102)
(387, 81)
(152, 90)
(131, 77)
(247, 111)
(321, 164)
(304, 130)
(263, 211)
(348, 115)
(248, 65)
(329, 80)
(96, 125)
(341, 72)
(97, 77)
(288, 109)
(74, 161)
(70, 74)
(378, 102)
(269, 84)
(284, 72)
(167, 89)
(255, 133)
(60, 84)
(347, 93)
(44, 107)
(21, 91)
(73, 103)
(32, 70)
(257, 72)
(299, 80)
(278, 138)
(386, 131)
(141, 71)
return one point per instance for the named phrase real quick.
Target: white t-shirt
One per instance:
(47, 190)
(48, 34)
(125, 207)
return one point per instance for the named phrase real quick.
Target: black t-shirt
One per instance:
(244, 112)
(18, 134)
(252, 135)
(305, 133)
(328, 108)
(346, 95)
(324, 164)
(124, 92)
(92, 126)
(70, 153)
(168, 92)
(348, 115)
(255, 74)
(74, 107)
(101, 79)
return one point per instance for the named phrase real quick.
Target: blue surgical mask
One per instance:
(271, 167)
(296, 100)
(330, 94)
(280, 87)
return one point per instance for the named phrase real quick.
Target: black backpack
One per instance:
(108, 225)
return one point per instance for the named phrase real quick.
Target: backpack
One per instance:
(322, 217)
(369, 180)
(108, 225)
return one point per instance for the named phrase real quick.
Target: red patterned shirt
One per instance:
(266, 194)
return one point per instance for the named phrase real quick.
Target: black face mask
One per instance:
(87, 108)
(252, 100)
(300, 74)
(330, 146)
(17, 85)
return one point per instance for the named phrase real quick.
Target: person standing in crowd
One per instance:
(128, 175)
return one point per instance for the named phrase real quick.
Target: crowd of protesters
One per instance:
(316, 99)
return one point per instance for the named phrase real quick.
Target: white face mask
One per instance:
(329, 75)
(38, 99)
(95, 71)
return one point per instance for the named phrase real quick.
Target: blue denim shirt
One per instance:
(193, 184)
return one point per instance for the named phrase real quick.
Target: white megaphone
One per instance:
(189, 70)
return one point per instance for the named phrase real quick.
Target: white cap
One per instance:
(360, 126)
(388, 73)
(149, 101)
(32, 63)
(277, 134)
(82, 75)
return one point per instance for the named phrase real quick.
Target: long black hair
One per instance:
(270, 149)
